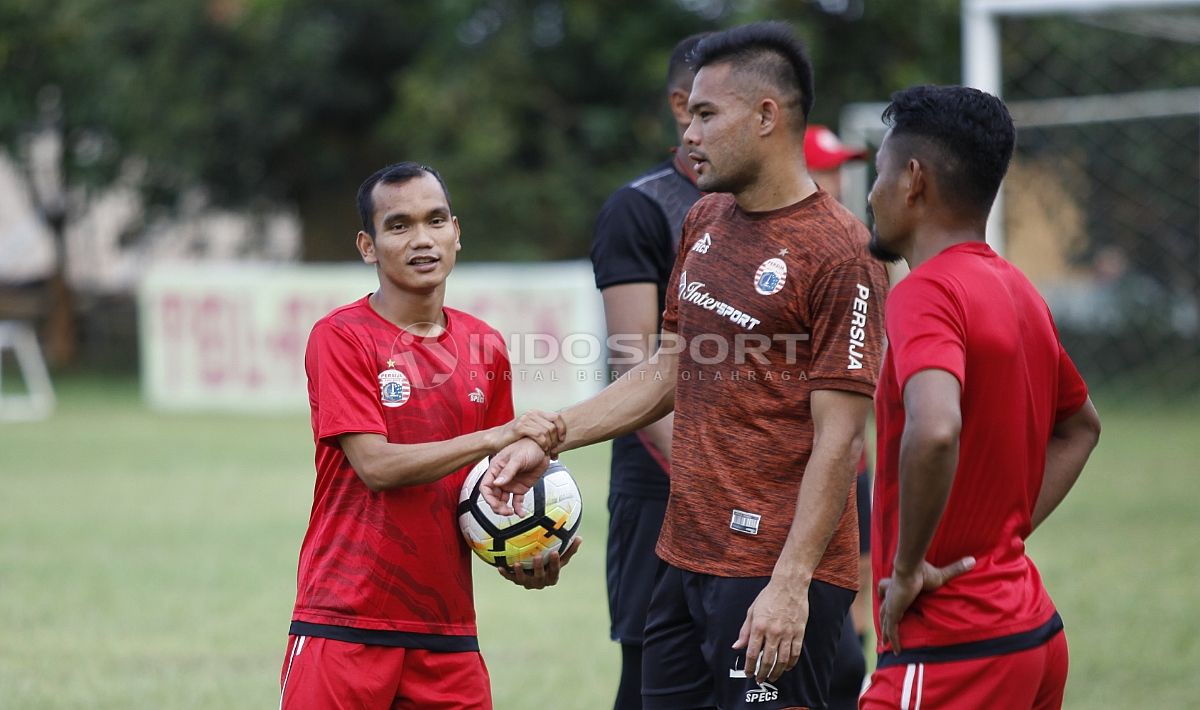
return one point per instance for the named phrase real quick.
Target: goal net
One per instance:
(1101, 206)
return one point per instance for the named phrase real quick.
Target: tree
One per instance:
(534, 110)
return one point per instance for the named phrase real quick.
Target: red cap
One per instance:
(823, 150)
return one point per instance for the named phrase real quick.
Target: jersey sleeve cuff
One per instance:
(842, 385)
(338, 431)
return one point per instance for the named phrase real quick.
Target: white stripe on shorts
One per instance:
(906, 691)
(920, 684)
(299, 644)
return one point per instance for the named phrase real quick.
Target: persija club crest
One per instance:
(394, 388)
(770, 277)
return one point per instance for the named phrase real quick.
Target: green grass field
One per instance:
(148, 561)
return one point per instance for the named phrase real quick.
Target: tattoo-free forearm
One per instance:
(1070, 445)
(383, 465)
(839, 421)
(632, 316)
(642, 395)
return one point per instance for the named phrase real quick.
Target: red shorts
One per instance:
(324, 674)
(1032, 679)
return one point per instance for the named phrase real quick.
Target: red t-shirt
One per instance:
(974, 315)
(772, 306)
(394, 560)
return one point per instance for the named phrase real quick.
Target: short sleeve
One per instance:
(845, 308)
(925, 330)
(631, 242)
(500, 401)
(670, 319)
(342, 384)
(1072, 390)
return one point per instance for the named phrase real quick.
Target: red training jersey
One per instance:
(971, 313)
(394, 560)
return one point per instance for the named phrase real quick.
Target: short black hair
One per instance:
(394, 174)
(769, 50)
(679, 68)
(971, 132)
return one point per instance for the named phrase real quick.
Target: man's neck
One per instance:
(781, 181)
(932, 242)
(418, 313)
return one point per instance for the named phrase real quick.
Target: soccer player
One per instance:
(406, 396)
(984, 425)
(636, 238)
(777, 309)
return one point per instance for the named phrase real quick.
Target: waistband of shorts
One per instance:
(998, 646)
(374, 637)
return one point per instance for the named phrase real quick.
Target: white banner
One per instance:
(222, 337)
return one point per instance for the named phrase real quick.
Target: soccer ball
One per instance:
(553, 509)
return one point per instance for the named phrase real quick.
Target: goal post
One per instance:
(1101, 204)
(981, 52)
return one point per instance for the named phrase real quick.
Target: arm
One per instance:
(928, 460)
(382, 465)
(774, 629)
(642, 395)
(631, 314)
(1071, 444)
(839, 426)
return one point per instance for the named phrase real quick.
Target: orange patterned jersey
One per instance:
(768, 307)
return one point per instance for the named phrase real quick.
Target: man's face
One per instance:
(721, 137)
(416, 238)
(886, 203)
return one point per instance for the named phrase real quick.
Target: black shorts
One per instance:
(633, 527)
(849, 669)
(688, 660)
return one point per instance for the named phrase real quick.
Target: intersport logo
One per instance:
(691, 292)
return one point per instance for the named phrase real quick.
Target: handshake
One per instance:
(529, 442)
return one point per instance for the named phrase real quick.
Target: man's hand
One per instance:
(773, 632)
(897, 593)
(545, 428)
(513, 471)
(542, 575)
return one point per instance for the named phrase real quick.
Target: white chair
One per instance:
(37, 402)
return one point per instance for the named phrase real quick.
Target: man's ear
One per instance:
(678, 99)
(366, 247)
(768, 116)
(918, 180)
(457, 234)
